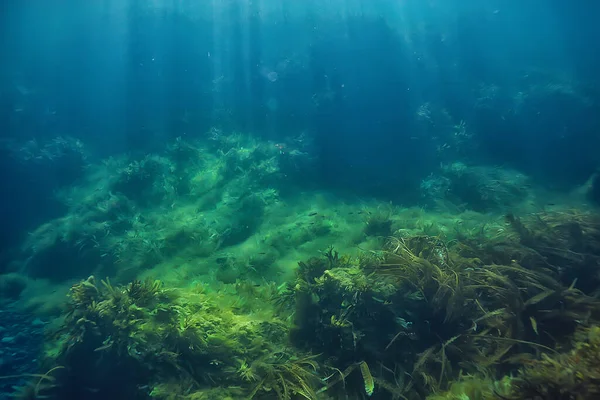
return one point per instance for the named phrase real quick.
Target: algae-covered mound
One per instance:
(144, 341)
(128, 214)
(480, 188)
(574, 374)
(424, 310)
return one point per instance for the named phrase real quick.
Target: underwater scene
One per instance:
(300, 200)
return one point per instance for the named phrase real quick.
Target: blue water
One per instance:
(339, 106)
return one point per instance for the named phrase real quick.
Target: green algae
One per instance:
(409, 303)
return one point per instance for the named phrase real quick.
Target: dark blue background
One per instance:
(129, 76)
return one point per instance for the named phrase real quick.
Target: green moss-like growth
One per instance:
(477, 188)
(378, 223)
(141, 341)
(186, 202)
(575, 374)
(422, 307)
(476, 388)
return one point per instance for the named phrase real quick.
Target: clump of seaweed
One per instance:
(135, 340)
(129, 214)
(378, 222)
(147, 181)
(40, 386)
(62, 159)
(554, 376)
(574, 374)
(477, 188)
(289, 377)
(567, 242)
(432, 309)
(476, 388)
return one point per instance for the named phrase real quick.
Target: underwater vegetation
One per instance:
(409, 213)
(409, 304)
(569, 375)
(510, 313)
(144, 341)
(62, 159)
(423, 311)
(129, 214)
(477, 188)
